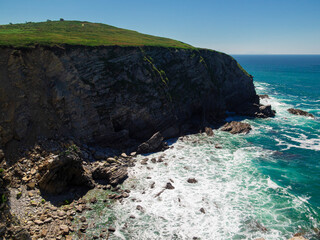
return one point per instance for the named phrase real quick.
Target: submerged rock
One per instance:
(300, 112)
(169, 186)
(192, 180)
(262, 96)
(140, 208)
(218, 146)
(236, 127)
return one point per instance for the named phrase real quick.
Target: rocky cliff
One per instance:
(115, 96)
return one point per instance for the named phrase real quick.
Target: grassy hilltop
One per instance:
(78, 33)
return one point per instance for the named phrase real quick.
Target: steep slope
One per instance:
(115, 96)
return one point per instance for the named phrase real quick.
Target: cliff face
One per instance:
(115, 96)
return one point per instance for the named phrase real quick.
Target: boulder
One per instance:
(300, 112)
(298, 238)
(110, 175)
(31, 185)
(265, 111)
(262, 96)
(155, 143)
(236, 127)
(192, 180)
(169, 186)
(256, 110)
(209, 131)
(64, 171)
(64, 229)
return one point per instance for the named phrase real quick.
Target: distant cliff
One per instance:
(115, 96)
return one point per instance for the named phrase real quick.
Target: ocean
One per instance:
(263, 184)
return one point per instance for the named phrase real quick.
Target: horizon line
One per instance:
(302, 54)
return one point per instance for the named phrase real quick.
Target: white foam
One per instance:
(272, 184)
(237, 199)
(303, 142)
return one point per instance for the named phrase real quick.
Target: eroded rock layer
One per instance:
(115, 96)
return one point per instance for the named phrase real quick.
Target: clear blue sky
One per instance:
(231, 26)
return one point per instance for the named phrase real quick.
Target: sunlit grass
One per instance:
(78, 33)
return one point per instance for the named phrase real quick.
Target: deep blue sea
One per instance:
(264, 184)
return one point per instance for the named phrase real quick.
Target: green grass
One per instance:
(78, 33)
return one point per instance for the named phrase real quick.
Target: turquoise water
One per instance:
(292, 81)
(264, 184)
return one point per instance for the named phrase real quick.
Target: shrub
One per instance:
(3, 199)
(61, 19)
(70, 150)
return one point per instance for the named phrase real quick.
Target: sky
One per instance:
(231, 26)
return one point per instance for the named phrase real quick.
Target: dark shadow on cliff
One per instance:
(66, 197)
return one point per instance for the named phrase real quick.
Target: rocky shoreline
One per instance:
(66, 109)
(44, 204)
(46, 187)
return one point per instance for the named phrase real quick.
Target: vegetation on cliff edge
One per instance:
(78, 33)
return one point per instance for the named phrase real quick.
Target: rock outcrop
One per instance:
(209, 131)
(116, 96)
(236, 127)
(111, 175)
(256, 110)
(155, 143)
(300, 112)
(63, 172)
